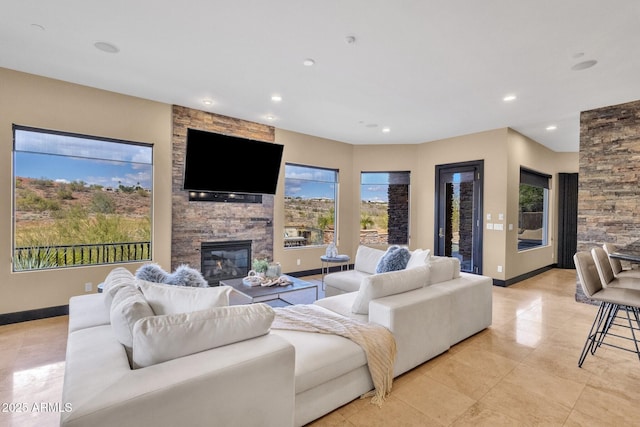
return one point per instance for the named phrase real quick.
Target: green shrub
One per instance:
(103, 203)
(65, 193)
(27, 200)
(34, 258)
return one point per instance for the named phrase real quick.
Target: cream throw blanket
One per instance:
(376, 341)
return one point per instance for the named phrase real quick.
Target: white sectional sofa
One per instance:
(257, 381)
(245, 383)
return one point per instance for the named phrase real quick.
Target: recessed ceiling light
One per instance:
(551, 127)
(276, 98)
(270, 118)
(386, 129)
(509, 98)
(106, 47)
(584, 65)
(308, 62)
(207, 102)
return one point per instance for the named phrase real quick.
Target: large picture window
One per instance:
(384, 208)
(79, 200)
(533, 212)
(310, 195)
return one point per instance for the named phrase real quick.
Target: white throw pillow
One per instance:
(117, 278)
(418, 258)
(172, 299)
(367, 259)
(391, 283)
(127, 308)
(161, 338)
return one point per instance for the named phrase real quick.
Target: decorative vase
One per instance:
(332, 251)
(274, 270)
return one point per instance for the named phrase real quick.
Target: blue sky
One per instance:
(317, 183)
(91, 171)
(68, 158)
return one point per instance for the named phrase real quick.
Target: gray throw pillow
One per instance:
(183, 276)
(396, 258)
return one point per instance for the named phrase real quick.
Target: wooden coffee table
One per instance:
(271, 294)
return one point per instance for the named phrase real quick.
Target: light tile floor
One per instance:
(522, 371)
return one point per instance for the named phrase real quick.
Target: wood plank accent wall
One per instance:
(195, 222)
(609, 178)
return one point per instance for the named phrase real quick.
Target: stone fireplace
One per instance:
(225, 260)
(195, 223)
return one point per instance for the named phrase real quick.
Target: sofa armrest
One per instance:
(249, 383)
(86, 311)
(419, 321)
(471, 304)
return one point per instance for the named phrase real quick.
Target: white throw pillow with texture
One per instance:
(116, 279)
(367, 259)
(418, 258)
(391, 283)
(161, 338)
(127, 308)
(172, 299)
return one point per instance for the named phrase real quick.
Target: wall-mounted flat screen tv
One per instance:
(221, 163)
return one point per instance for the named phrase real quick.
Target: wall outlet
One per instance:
(499, 269)
(88, 287)
(298, 261)
(489, 226)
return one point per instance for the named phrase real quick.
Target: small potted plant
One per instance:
(260, 266)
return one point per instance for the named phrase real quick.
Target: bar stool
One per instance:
(616, 265)
(606, 274)
(613, 301)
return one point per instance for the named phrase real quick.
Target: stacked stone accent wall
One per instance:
(609, 178)
(398, 211)
(196, 222)
(466, 220)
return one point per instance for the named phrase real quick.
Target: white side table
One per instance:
(341, 260)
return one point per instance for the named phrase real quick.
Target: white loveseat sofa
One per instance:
(256, 382)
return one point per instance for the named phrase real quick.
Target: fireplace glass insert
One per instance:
(225, 260)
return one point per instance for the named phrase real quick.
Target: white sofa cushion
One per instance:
(345, 281)
(117, 278)
(173, 299)
(157, 339)
(342, 305)
(391, 283)
(443, 269)
(321, 357)
(127, 308)
(367, 259)
(418, 258)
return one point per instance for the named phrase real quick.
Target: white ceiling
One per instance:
(427, 69)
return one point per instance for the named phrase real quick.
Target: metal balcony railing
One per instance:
(45, 257)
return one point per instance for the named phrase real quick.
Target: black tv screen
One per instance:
(222, 163)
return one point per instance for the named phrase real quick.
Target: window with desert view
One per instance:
(309, 205)
(79, 200)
